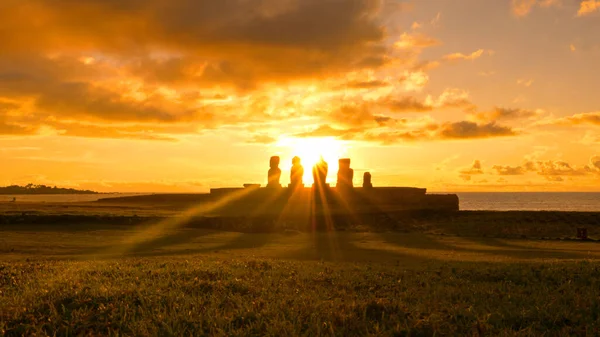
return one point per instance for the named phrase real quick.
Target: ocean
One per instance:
(496, 201)
(530, 201)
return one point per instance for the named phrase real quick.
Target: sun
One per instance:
(310, 151)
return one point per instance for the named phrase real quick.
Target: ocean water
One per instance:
(497, 201)
(530, 201)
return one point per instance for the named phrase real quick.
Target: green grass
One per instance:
(203, 295)
(97, 280)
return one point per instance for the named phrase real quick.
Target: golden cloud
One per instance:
(588, 7)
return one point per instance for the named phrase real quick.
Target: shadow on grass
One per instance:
(178, 237)
(345, 247)
(489, 247)
(243, 241)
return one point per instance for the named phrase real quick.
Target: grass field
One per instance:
(105, 279)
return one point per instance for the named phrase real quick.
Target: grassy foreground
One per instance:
(203, 295)
(97, 280)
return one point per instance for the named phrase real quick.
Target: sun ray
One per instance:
(129, 243)
(310, 151)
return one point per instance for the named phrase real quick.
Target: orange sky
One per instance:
(184, 95)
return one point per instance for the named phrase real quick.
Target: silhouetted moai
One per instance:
(274, 172)
(367, 180)
(320, 174)
(345, 175)
(320, 195)
(296, 173)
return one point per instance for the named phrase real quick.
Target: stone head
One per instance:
(344, 163)
(274, 162)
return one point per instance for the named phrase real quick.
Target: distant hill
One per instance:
(41, 189)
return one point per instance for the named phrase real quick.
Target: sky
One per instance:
(188, 95)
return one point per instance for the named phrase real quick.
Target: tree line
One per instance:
(41, 189)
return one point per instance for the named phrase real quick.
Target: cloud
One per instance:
(408, 131)
(524, 7)
(588, 7)
(414, 80)
(188, 63)
(595, 162)
(436, 20)
(207, 38)
(368, 84)
(460, 56)
(486, 73)
(16, 129)
(156, 132)
(410, 41)
(261, 139)
(560, 168)
(551, 170)
(467, 130)
(454, 97)
(509, 170)
(590, 138)
(449, 98)
(524, 82)
(581, 118)
(328, 131)
(354, 115)
(505, 114)
(476, 168)
(405, 104)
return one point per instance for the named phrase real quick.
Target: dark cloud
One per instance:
(560, 168)
(235, 41)
(195, 23)
(595, 162)
(405, 104)
(552, 170)
(466, 129)
(393, 137)
(353, 115)
(16, 129)
(82, 100)
(503, 114)
(426, 132)
(13, 126)
(359, 116)
(107, 61)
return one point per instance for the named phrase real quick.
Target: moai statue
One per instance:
(320, 173)
(274, 172)
(296, 173)
(345, 174)
(367, 180)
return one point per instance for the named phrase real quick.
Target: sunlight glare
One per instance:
(310, 151)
